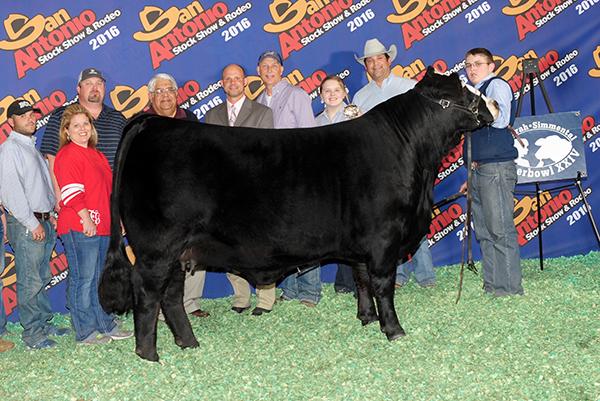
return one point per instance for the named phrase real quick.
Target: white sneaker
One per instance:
(119, 334)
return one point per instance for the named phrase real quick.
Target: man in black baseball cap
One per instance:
(20, 107)
(27, 195)
(90, 73)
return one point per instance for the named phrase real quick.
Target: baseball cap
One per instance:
(270, 53)
(90, 73)
(19, 107)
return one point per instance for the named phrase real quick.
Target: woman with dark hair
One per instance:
(85, 180)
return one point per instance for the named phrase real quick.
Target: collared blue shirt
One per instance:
(323, 118)
(25, 184)
(501, 92)
(371, 94)
(291, 106)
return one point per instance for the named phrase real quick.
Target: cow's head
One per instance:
(470, 108)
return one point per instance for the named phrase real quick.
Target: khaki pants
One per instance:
(241, 293)
(193, 287)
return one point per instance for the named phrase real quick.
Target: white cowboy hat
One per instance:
(373, 47)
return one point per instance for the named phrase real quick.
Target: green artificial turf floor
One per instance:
(541, 346)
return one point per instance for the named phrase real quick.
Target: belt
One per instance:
(42, 216)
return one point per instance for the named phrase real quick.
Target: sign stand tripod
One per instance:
(531, 73)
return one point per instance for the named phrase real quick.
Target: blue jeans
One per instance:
(493, 186)
(306, 287)
(32, 265)
(2, 255)
(344, 280)
(421, 265)
(86, 256)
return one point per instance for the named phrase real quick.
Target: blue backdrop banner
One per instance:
(45, 44)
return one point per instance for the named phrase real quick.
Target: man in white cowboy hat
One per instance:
(377, 60)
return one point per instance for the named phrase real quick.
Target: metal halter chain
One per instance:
(472, 108)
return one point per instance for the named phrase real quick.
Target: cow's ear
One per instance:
(430, 71)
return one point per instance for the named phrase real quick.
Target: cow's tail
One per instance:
(115, 290)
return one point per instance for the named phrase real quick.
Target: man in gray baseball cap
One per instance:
(109, 123)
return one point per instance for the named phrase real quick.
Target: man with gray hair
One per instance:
(162, 91)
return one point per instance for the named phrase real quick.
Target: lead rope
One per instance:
(467, 228)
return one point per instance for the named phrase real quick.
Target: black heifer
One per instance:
(262, 202)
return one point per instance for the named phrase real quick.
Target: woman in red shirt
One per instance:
(85, 180)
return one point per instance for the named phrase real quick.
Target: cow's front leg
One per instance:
(366, 308)
(172, 307)
(145, 313)
(383, 287)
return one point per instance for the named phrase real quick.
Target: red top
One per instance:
(85, 181)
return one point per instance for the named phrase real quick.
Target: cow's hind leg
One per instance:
(172, 307)
(366, 308)
(146, 292)
(382, 282)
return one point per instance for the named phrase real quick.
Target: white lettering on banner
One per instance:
(558, 214)
(107, 18)
(585, 5)
(73, 41)
(355, 7)
(209, 90)
(184, 46)
(96, 42)
(551, 70)
(57, 279)
(237, 12)
(477, 12)
(205, 107)
(236, 29)
(359, 21)
(103, 38)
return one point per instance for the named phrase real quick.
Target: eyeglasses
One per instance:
(161, 91)
(476, 64)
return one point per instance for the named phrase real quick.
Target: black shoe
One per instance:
(239, 309)
(259, 311)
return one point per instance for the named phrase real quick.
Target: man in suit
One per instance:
(239, 111)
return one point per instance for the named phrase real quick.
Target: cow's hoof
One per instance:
(186, 344)
(395, 336)
(149, 356)
(368, 320)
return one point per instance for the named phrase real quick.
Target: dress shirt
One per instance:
(233, 109)
(372, 94)
(501, 92)
(25, 184)
(323, 118)
(291, 106)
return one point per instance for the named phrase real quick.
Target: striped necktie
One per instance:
(232, 116)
